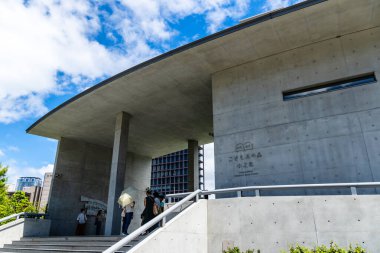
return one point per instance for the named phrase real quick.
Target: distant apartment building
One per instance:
(45, 190)
(27, 182)
(170, 172)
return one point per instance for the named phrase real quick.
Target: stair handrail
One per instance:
(352, 186)
(25, 215)
(155, 220)
(16, 215)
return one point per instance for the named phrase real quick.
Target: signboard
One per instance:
(244, 159)
(93, 205)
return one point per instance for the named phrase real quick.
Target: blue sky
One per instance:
(52, 50)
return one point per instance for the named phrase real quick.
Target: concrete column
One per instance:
(193, 165)
(118, 166)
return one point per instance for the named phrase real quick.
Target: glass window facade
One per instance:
(27, 182)
(170, 172)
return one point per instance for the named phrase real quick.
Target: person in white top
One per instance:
(81, 222)
(127, 215)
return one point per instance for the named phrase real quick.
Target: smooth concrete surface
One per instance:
(17, 229)
(171, 98)
(117, 174)
(81, 169)
(137, 179)
(260, 139)
(186, 233)
(272, 224)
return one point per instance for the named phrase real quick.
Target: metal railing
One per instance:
(258, 189)
(16, 215)
(239, 193)
(23, 214)
(148, 225)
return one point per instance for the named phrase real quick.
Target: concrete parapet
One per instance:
(17, 229)
(274, 223)
(186, 233)
(270, 224)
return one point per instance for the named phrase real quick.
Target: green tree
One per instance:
(17, 203)
(5, 208)
(3, 179)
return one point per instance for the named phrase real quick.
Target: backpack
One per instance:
(156, 209)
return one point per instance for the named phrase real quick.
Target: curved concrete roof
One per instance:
(170, 96)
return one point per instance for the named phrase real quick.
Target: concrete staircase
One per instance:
(66, 244)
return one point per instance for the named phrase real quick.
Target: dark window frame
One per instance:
(331, 86)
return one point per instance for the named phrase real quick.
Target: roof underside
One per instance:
(169, 97)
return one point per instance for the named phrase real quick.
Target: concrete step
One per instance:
(73, 238)
(51, 250)
(62, 247)
(67, 243)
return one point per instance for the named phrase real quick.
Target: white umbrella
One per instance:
(125, 199)
(127, 196)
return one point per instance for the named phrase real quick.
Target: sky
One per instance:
(51, 50)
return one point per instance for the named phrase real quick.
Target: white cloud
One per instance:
(277, 4)
(2, 153)
(153, 16)
(45, 37)
(49, 46)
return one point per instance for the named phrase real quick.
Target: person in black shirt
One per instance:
(147, 215)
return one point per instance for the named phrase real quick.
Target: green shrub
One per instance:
(237, 250)
(334, 248)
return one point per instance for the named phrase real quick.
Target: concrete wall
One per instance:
(332, 137)
(137, 179)
(17, 229)
(273, 223)
(81, 169)
(270, 224)
(186, 233)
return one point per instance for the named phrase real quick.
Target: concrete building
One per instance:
(170, 172)
(288, 97)
(34, 193)
(28, 181)
(45, 191)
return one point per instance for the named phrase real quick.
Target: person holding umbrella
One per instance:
(128, 216)
(128, 204)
